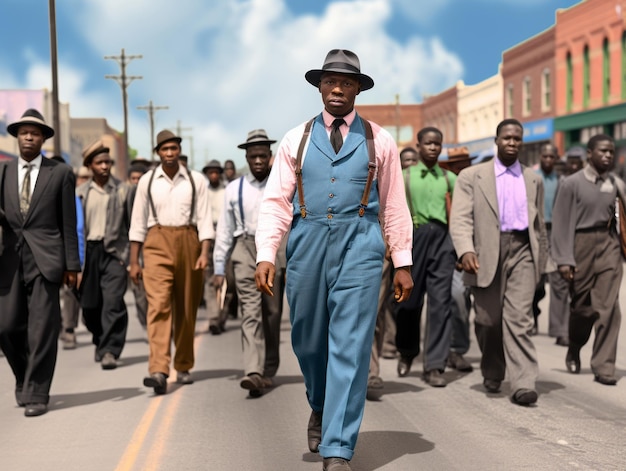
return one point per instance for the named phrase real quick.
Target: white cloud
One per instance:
(228, 66)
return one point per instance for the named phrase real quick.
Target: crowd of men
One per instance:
(307, 223)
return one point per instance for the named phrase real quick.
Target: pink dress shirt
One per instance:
(511, 192)
(276, 211)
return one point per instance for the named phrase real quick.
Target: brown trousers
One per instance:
(595, 297)
(174, 290)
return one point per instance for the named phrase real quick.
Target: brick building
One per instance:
(402, 121)
(440, 111)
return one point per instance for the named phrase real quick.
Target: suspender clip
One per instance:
(303, 211)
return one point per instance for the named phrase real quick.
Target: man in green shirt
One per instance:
(427, 188)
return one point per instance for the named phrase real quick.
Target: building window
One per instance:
(619, 131)
(586, 79)
(624, 65)
(526, 97)
(606, 72)
(509, 101)
(570, 83)
(546, 90)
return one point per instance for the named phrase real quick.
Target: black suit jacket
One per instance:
(49, 227)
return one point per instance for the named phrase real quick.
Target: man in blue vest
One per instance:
(335, 181)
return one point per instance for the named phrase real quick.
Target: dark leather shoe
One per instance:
(562, 341)
(491, 385)
(572, 361)
(404, 366)
(456, 361)
(252, 381)
(184, 377)
(215, 330)
(108, 361)
(606, 380)
(524, 397)
(157, 381)
(374, 388)
(434, 378)
(34, 410)
(314, 431)
(336, 464)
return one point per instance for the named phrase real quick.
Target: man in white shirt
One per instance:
(171, 221)
(236, 229)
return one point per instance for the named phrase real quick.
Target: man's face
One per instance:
(601, 156)
(339, 92)
(548, 158)
(258, 157)
(229, 172)
(573, 165)
(29, 140)
(408, 158)
(429, 148)
(509, 142)
(168, 153)
(133, 177)
(101, 167)
(214, 176)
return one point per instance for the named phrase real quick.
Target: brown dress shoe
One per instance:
(456, 361)
(606, 380)
(184, 377)
(491, 385)
(434, 378)
(374, 388)
(336, 464)
(157, 381)
(524, 397)
(314, 431)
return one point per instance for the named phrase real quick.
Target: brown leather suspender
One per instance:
(371, 150)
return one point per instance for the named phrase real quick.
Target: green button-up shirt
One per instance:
(427, 192)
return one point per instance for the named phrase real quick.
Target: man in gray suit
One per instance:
(41, 252)
(498, 232)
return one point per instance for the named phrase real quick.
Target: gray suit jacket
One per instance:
(49, 227)
(475, 220)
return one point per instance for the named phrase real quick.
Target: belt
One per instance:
(516, 233)
(548, 225)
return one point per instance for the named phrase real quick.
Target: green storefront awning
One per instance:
(607, 115)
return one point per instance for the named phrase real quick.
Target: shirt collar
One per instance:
(329, 118)
(423, 169)
(592, 174)
(36, 162)
(182, 173)
(515, 168)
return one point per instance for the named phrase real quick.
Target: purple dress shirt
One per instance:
(511, 192)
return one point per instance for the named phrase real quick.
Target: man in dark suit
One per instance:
(40, 253)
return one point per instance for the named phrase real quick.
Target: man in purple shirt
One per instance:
(498, 231)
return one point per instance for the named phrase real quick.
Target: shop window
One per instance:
(570, 83)
(606, 72)
(586, 77)
(546, 90)
(526, 97)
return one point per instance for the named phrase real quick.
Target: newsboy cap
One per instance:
(340, 61)
(166, 136)
(34, 117)
(256, 137)
(93, 149)
(213, 164)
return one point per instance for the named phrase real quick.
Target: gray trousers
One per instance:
(261, 314)
(504, 316)
(595, 297)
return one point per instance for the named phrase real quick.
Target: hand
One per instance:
(264, 277)
(567, 272)
(79, 279)
(402, 284)
(202, 262)
(217, 281)
(69, 278)
(469, 261)
(135, 273)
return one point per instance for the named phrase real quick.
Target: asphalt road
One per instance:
(107, 421)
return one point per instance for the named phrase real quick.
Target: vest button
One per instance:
(330, 210)
(331, 195)
(330, 216)
(332, 180)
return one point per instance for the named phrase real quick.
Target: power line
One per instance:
(150, 108)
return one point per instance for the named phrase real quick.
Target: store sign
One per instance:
(541, 130)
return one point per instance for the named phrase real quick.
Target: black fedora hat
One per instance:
(34, 117)
(340, 61)
(256, 137)
(213, 164)
(165, 136)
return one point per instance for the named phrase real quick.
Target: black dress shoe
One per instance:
(336, 464)
(434, 378)
(374, 388)
(491, 385)
(314, 431)
(606, 380)
(157, 381)
(524, 397)
(34, 410)
(572, 361)
(215, 330)
(456, 361)
(562, 341)
(404, 365)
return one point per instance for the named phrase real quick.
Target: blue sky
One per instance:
(228, 66)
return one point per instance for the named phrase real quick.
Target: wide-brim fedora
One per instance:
(34, 117)
(256, 137)
(213, 164)
(166, 136)
(340, 61)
